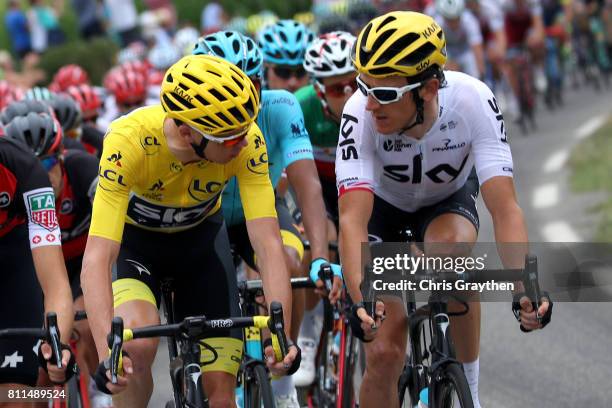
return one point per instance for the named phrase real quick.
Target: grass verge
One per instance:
(591, 170)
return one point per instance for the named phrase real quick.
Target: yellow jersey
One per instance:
(141, 182)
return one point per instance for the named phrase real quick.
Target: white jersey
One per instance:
(411, 174)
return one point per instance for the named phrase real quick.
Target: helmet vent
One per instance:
(386, 21)
(192, 78)
(217, 95)
(379, 43)
(224, 118)
(183, 101)
(218, 51)
(231, 91)
(170, 103)
(235, 112)
(236, 46)
(418, 55)
(399, 46)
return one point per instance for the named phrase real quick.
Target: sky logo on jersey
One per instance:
(41, 208)
(151, 215)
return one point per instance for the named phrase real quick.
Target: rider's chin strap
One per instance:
(199, 148)
(420, 109)
(325, 105)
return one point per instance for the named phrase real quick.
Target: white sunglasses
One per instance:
(386, 94)
(229, 140)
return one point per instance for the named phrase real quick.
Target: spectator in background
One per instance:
(18, 28)
(90, 24)
(44, 25)
(213, 18)
(29, 75)
(166, 8)
(123, 19)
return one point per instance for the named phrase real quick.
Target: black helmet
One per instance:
(67, 112)
(22, 108)
(39, 131)
(334, 22)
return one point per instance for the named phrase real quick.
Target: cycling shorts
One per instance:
(388, 222)
(73, 267)
(200, 262)
(21, 303)
(239, 236)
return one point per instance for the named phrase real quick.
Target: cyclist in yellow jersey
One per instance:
(156, 214)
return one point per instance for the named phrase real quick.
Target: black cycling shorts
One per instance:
(21, 305)
(73, 267)
(388, 223)
(199, 260)
(241, 244)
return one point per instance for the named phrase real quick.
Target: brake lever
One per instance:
(53, 339)
(115, 343)
(325, 274)
(277, 326)
(532, 285)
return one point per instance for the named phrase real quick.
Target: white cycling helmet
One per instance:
(185, 38)
(450, 9)
(330, 55)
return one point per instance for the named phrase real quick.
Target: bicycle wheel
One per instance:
(257, 388)
(73, 390)
(348, 368)
(450, 388)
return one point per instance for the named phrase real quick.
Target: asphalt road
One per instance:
(569, 364)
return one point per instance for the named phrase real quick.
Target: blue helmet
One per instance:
(238, 49)
(285, 42)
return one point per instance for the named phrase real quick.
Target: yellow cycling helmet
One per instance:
(210, 94)
(399, 43)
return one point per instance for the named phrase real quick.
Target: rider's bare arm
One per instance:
(355, 210)
(100, 255)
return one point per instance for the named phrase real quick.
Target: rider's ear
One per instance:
(430, 89)
(186, 133)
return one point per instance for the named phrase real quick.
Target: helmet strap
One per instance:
(420, 110)
(199, 148)
(324, 104)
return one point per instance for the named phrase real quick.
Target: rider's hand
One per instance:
(57, 375)
(337, 283)
(287, 365)
(103, 376)
(368, 325)
(527, 315)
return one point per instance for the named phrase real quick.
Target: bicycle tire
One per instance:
(348, 371)
(73, 391)
(257, 388)
(446, 379)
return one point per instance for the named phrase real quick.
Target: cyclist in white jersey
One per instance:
(463, 36)
(415, 144)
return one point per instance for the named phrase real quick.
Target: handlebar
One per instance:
(195, 328)
(50, 334)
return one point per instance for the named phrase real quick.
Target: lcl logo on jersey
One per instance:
(256, 165)
(111, 175)
(150, 144)
(200, 191)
